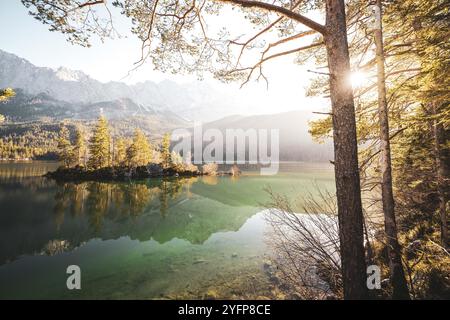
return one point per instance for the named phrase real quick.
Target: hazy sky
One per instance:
(113, 59)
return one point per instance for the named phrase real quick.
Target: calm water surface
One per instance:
(138, 240)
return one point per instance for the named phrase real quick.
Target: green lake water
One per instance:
(152, 239)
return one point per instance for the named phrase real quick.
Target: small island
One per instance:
(80, 173)
(108, 158)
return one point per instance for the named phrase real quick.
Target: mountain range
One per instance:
(189, 101)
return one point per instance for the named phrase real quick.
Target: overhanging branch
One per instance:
(281, 10)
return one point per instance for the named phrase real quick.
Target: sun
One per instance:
(358, 79)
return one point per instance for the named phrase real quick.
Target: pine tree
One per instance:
(140, 152)
(120, 152)
(65, 149)
(420, 30)
(166, 156)
(99, 144)
(398, 279)
(80, 147)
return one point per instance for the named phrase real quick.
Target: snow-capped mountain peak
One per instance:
(66, 74)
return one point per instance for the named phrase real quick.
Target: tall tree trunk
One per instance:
(345, 154)
(442, 172)
(398, 279)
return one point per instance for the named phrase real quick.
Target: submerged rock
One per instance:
(199, 261)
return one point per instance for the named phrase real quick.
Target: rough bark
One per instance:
(397, 275)
(442, 172)
(345, 154)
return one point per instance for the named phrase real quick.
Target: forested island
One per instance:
(102, 157)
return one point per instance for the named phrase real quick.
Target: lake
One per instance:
(202, 237)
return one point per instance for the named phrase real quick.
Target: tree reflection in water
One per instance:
(98, 200)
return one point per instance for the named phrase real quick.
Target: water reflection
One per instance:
(34, 218)
(139, 239)
(117, 201)
(35, 210)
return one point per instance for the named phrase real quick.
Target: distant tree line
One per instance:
(28, 141)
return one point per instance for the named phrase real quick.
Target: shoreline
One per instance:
(117, 173)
